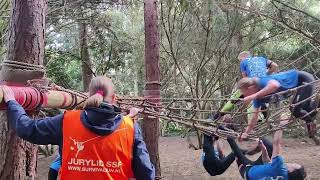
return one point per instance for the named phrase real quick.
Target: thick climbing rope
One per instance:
(187, 111)
(22, 65)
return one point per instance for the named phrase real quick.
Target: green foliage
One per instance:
(171, 128)
(200, 41)
(64, 69)
(115, 40)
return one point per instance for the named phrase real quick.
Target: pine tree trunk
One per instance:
(152, 89)
(85, 58)
(25, 44)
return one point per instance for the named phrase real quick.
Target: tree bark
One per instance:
(85, 58)
(25, 44)
(152, 89)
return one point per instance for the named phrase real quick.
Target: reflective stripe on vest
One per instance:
(86, 155)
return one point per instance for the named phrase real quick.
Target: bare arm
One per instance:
(271, 87)
(134, 113)
(219, 148)
(264, 153)
(253, 121)
(277, 139)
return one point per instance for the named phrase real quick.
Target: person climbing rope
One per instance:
(250, 66)
(213, 160)
(256, 66)
(95, 143)
(273, 168)
(257, 88)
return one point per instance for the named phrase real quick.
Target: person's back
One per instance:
(287, 80)
(95, 143)
(255, 66)
(90, 155)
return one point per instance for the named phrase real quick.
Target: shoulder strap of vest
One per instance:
(128, 120)
(70, 115)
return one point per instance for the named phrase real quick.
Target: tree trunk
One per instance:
(26, 45)
(152, 89)
(85, 58)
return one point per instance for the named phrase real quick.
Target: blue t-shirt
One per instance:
(287, 80)
(274, 170)
(254, 66)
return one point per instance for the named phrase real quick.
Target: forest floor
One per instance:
(178, 162)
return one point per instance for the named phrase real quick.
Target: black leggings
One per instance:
(302, 94)
(52, 174)
(213, 165)
(243, 160)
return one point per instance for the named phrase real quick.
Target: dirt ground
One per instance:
(178, 162)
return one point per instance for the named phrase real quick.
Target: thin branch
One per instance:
(171, 49)
(264, 39)
(279, 21)
(298, 10)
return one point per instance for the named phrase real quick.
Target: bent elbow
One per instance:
(275, 85)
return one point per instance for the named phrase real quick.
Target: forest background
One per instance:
(199, 43)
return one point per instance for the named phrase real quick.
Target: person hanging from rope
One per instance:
(273, 168)
(255, 89)
(95, 143)
(250, 66)
(213, 159)
(56, 164)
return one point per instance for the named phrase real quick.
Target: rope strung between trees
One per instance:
(194, 112)
(190, 112)
(186, 111)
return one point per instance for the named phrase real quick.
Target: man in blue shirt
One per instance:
(255, 66)
(273, 168)
(257, 88)
(250, 66)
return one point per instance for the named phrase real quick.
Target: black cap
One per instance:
(297, 174)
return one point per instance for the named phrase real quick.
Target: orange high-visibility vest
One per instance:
(88, 156)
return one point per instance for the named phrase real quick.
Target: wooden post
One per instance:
(85, 57)
(150, 126)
